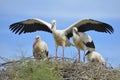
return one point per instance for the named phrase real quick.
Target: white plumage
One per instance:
(61, 37)
(95, 57)
(40, 48)
(82, 41)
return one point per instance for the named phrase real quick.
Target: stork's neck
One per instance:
(36, 41)
(75, 35)
(53, 28)
(89, 52)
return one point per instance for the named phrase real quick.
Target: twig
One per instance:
(9, 62)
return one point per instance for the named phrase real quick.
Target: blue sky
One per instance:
(65, 12)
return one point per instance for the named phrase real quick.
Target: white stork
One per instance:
(61, 37)
(40, 48)
(95, 57)
(82, 41)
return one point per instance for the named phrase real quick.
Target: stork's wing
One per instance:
(30, 25)
(89, 24)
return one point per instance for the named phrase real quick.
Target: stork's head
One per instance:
(53, 27)
(75, 31)
(37, 37)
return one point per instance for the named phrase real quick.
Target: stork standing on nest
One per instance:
(82, 41)
(40, 49)
(61, 37)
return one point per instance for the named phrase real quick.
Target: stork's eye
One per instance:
(74, 30)
(37, 38)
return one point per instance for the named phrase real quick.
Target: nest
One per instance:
(68, 69)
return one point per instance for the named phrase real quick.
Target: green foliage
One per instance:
(32, 70)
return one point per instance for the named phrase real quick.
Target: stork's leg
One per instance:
(56, 51)
(84, 56)
(63, 53)
(78, 55)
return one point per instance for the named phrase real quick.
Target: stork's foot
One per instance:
(63, 59)
(56, 58)
(84, 59)
(78, 60)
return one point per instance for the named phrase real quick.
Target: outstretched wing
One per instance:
(30, 25)
(89, 24)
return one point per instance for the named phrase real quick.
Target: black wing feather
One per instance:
(26, 26)
(18, 29)
(89, 44)
(90, 24)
